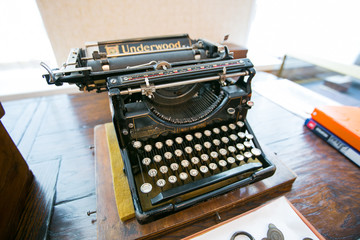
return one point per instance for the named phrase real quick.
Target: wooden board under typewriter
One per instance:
(110, 227)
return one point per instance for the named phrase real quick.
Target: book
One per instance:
(334, 141)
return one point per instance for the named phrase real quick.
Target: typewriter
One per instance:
(179, 109)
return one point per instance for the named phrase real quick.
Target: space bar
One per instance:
(177, 191)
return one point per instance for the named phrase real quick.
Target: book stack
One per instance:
(339, 126)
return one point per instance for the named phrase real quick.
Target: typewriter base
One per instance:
(109, 225)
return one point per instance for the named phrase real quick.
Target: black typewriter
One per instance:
(179, 109)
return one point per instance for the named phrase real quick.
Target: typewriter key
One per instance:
(168, 155)
(157, 158)
(216, 142)
(198, 147)
(172, 179)
(214, 154)
(240, 124)
(224, 128)
(152, 172)
(198, 135)
(161, 182)
(225, 140)
(256, 152)
(146, 188)
(188, 150)
(207, 133)
(179, 140)
(247, 144)
(204, 169)
(241, 135)
(148, 148)
(239, 157)
(195, 160)
(204, 157)
(189, 137)
(223, 151)
(247, 154)
(169, 142)
(164, 169)
(194, 172)
(230, 160)
(216, 130)
(240, 146)
(233, 137)
(232, 149)
(232, 126)
(183, 175)
(178, 152)
(213, 166)
(222, 163)
(158, 145)
(249, 136)
(146, 161)
(185, 163)
(137, 144)
(174, 166)
(207, 145)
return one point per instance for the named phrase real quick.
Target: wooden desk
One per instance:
(326, 190)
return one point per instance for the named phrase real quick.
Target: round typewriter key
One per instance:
(239, 157)
(204, 157)
(164, 169)
(168, 155)
(157, 158)
(216, 142)
(194, 172)
(172, 179)
(207, 145)
(198, 147)
(146, 161)
(230, 160)
(174, 166)
(212, 166)
(247, 144)
(224, 128)
(161, 182)
(225, 140)
(240, 123)
(240, 146)
(222, 163)
(204, 169)
(178, 152)
(207, 133)
(183, 175)
(169, 142)
(214, 154)
(146, 188)
(179, 140)
(249, 136)
(247, 154)
(189, 137)
(158, 145)
(185, 163)
(188, 150)
(232, 149)
(256, 152)
(223, 151)
(241, 135)
(232, 126)
(137, 144)
(152, 172)
(195, 160)
(230, 111)
(216, 130)
(233, 137)
(148, 148)
(198, 135)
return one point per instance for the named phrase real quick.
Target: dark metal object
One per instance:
(242, 233)
(274, 233)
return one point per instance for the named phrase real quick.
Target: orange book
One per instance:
(342, 121)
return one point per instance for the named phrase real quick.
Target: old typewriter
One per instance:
(179, 109)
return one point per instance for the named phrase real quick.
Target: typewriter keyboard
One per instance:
(174, 166)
